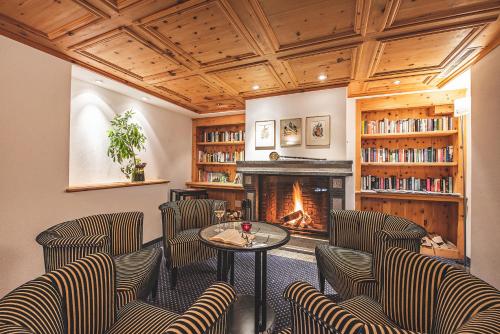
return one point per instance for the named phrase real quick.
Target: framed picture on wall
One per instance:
(318, 131)
(291, 132)
(265, 138)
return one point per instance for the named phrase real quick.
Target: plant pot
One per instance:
(138, 176)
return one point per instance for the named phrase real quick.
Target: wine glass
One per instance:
(219, 212)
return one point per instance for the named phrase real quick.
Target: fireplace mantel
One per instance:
(296, 167)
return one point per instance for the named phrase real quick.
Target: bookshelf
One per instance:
(218, 156)
(439, 207)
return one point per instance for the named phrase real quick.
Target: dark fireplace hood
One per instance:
(296, 167)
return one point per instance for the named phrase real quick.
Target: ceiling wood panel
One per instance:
(206, 55)
(128, 53)
(65, 15)
(203, 33)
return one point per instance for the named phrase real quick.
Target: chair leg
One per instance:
(321, 279)
(173, 278)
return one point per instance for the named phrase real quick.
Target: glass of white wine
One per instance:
(219, 212)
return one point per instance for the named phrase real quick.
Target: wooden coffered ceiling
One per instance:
(207, 55)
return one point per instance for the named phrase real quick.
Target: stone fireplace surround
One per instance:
(329, 175)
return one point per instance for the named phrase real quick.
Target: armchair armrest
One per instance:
(170, 220)
(81, 241)
(376, 329)
(317, 310)
(400, 235)
(208, 313)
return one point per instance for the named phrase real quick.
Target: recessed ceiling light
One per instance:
(98, 81)
(255, 87)
(322, 77)
(397, 82)
(145, 98)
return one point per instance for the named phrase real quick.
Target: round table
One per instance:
(267, 236)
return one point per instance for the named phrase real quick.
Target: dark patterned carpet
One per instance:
(194, 279)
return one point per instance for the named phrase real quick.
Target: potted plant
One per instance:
(126, 141)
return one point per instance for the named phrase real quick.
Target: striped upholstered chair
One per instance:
(418, 295)
(118, 234)
(181, 222)
(79, 298)
(352, 261)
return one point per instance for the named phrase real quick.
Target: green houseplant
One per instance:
(126, 141)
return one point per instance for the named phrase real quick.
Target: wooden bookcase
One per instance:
(229, 191)
(438, 213)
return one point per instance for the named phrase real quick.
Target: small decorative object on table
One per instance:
(219, 212)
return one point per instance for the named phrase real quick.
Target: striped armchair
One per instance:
(418, 295)
(79, 298)
(181, 222)
(352, 261)
(117, 234)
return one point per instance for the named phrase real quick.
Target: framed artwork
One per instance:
(265, 137)
(318, 131)
(291, 132)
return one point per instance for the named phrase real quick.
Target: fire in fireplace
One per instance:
(299, 203)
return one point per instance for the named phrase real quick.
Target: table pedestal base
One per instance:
(242, 316)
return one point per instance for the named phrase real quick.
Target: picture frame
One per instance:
(318, 131)
(291, 132)
(265, 135)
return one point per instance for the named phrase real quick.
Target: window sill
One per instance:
(111, 185)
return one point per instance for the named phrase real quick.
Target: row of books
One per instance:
(204, 176)
(437, 185)
(415, 155)
(221, 156)
(407, 125)
(223, 136)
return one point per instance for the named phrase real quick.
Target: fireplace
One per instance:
(295, 194)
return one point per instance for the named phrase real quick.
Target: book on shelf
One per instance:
(412, 155)
(386, 126)
(218, 177)
(221, 156)
(393, 183)
(222, 136)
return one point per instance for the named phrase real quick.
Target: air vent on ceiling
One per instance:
(457, 61)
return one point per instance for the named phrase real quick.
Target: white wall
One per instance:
(35, 91)
(331, 102)
(92, 107)
(318, 103)
(485, 183)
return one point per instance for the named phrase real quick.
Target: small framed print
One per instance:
(291, 132)
(265, 138)
(318, 131)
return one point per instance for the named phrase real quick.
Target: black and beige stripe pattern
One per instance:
(34, 307)
(366, 235)
(208, 314)
(461, 297)
(181, 222)
(87, 287)
(117, 234)
(313, 313)
(410, 284)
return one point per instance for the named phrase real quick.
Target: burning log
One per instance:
(294, 216)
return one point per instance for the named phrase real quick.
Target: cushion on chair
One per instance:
(140, 318)
(35, 305)
(367, 310)
(462, 296)
(186, 248)
(134, 274)
(487, 322)
(87, 287)
(126, 230)
(96, 224)
(348, 271)
(369, 223)
(409, 292)
(345, 228)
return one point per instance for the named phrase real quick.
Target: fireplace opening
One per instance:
(299, 203)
